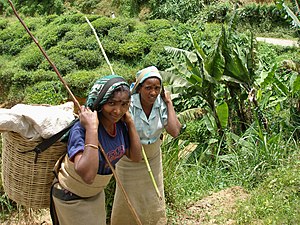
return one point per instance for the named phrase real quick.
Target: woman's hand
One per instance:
(166, 97)
(88, 118)
(127, 118)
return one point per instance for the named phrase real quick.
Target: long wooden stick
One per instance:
(78, 105)
(46, 56)
(136, 217)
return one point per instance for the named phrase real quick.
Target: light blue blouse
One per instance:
(149, 129)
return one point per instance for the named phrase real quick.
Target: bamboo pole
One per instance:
(101, 47)
(78, 105)
(151, 174)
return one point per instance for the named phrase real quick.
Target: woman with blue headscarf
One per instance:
(78, 193)
(152, 111)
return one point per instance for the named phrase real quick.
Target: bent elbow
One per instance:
(88, 180)
(86, 177)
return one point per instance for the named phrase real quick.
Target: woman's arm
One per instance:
(87, 162)
(173, 126)
(134, 140)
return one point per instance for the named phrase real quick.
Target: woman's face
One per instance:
(149, 90)
(116, 106)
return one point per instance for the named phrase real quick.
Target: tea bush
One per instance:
(45, 92)
(30, 58)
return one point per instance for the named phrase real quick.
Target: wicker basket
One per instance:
(25, 182)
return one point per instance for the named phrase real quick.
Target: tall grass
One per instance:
(251, 161)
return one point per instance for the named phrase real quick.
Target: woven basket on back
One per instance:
(26, 182)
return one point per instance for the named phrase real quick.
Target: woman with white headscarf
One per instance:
(152, 111)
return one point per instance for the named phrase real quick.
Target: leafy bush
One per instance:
(80, 82)
(103, 24)
(30, 58)
(157, 24)
(262, 16)
(45, 92)
(22, 79)
(13, 39)
(15, 95)
(53, 33)
(62, 63)
(43, 75)
(181, 10)
(88, 59)
(3, 23)
(78, 42)
(218, 13)
(35, 7)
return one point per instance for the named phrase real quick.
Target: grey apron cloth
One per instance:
(140, 190)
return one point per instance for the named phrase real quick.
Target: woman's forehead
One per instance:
(120, 96)
(151, 81)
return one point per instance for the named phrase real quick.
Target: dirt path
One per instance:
(278, 41)
(204, 212)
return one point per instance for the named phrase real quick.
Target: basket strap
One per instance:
(51, 140)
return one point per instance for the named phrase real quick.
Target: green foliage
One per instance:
(45, 92)
(218, 13)
(103, 25)
(263, 17)
(22, 79)
(181, 10)
(13, 39)
(3, 23)
(80, 82)
(30, 58)
(53, 33)
(35, 7)
(15, 94)
(62, 63)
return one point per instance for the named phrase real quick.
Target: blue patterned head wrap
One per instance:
(98, 87)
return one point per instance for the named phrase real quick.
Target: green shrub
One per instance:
(43, 75)
(156, 25)
(15, 95)
(80, 82)
(30, 58)
(79, 42)
(62, 63)
(13, 39)
(262, 16)
(45, 92)
(86, 59)
(3, 23)
(35, 7)
(22, 78)
(52, 34)
(218, 13)
(176, 10)
(103, 24)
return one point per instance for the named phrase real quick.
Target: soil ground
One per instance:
(202, 212)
